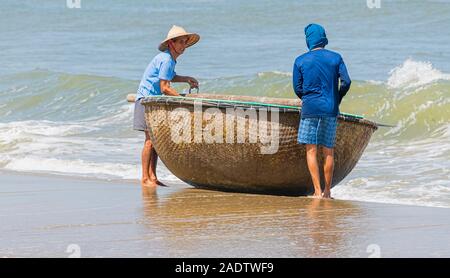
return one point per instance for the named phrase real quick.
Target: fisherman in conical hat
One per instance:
(320, 80)
(156, 81)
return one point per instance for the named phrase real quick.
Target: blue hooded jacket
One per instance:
(316, 75)
(315, 36)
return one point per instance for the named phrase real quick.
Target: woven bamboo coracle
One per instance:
(208, 141)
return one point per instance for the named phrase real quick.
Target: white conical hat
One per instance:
(175, 32)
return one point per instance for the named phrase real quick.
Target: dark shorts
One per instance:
(139, 116)
(318, 131)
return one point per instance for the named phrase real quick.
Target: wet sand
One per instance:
(48, 216)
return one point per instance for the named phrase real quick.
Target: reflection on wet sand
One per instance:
(215, 224)
(113, 220)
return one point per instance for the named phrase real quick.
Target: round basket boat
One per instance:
(243, 143)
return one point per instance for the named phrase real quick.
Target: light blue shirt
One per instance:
(161, 67)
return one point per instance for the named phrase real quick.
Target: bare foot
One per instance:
(327, 195)
(316, 196)
(148, 183)
(156, 181)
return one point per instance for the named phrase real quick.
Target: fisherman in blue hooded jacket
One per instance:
(320, 80)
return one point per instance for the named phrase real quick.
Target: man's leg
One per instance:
(152, 170)
(311, 158)
(328, 168)
(147, 171)
(152, 166)
(153, 162)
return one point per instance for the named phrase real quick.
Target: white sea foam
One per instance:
(13, 130)
(83, 148)
(375, 82)
(435, 194)
(409, 173)
(274, 73)
(78, 167)
(413, 74)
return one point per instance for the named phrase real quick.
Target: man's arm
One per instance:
(345, 80)
(166, 89)
(187, 79)
(297, 81)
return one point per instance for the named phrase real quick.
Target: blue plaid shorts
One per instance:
(318, 131)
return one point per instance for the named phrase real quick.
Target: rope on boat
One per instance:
(238, 103)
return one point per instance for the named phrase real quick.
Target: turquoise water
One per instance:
(65, 73)
(118, 38)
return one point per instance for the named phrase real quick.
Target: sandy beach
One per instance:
(70, 158)
(51, 216)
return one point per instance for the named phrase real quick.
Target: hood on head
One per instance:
(315, 36)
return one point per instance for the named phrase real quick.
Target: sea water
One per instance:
(65, 73)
